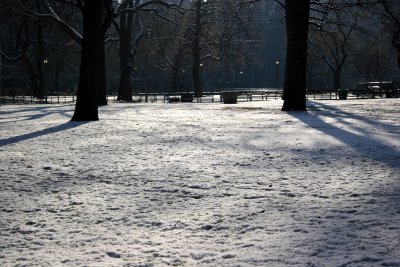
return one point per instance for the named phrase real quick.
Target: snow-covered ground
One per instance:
(201, 184)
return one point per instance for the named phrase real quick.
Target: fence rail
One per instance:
(245, 94)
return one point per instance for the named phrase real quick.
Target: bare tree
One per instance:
(208, 31)
(96, 19)
(333, 42)
(22, 41)
(297, 19)
(391, 12)
(299, 14)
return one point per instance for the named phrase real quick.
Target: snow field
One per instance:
(201, 184)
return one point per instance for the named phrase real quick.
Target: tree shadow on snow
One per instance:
(25, 113)
(362, 141)
(51, 130)
(364, 225)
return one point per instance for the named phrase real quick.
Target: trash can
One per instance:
(186, 97)
(342, 93)
(229, 97)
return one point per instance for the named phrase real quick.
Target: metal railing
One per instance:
(244, 94)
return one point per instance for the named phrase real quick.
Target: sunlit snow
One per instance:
(201, 184)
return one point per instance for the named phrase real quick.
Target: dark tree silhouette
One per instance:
(333, 42)
(294, 91)
(92, 60)
(127, 46)
(392, 9)
(97, 16)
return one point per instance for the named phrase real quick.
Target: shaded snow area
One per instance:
(201, 184)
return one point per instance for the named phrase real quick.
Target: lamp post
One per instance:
(241, 79)
(380, 62)
(44, 79)
(201, 78)
(1, 78)
(277, 73)
(134, 79)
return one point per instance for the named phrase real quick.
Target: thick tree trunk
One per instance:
(32, 76)
(125, 90)
(396, 45)
(196, 82)
(196, 73)
(90, 71)
(102, 85)
(175, 80)
(56, 86)
(125, 46)
(336, 80)
(40, 57)
(294, 92)
(57, 71)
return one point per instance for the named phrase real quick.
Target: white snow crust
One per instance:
(201, 184)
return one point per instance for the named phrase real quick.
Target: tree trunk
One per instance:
(57, 70)
(32, 76)
(196, 83)
(90, 70)
(125, 46)
(40, 57)
(174, 81)
(102, 85)
(196, 73)
(125, 90)
(294, 92)
(336, 80)
(395, 43)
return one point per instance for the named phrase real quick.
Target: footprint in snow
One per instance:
(113, 254)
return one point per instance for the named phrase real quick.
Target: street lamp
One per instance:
(277, 73)
(1, 81)
(134, 79)
(201, 78)
(241, 79)
(44, 79)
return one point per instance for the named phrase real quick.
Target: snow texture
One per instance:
(201, 184)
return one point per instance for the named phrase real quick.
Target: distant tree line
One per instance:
(90, 42)
(338, 28)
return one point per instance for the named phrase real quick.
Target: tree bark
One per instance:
(102, 85)
(174, 80)
(294, 92)
(125, 46)
(125, 90)
(196, 73)
(32, 76)
(336, 79)
(196, 83)
(90, 69)
(40, 57)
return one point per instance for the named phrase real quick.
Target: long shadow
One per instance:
(51, 130)
(25, 113)
(32, 108)
(363, 142)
